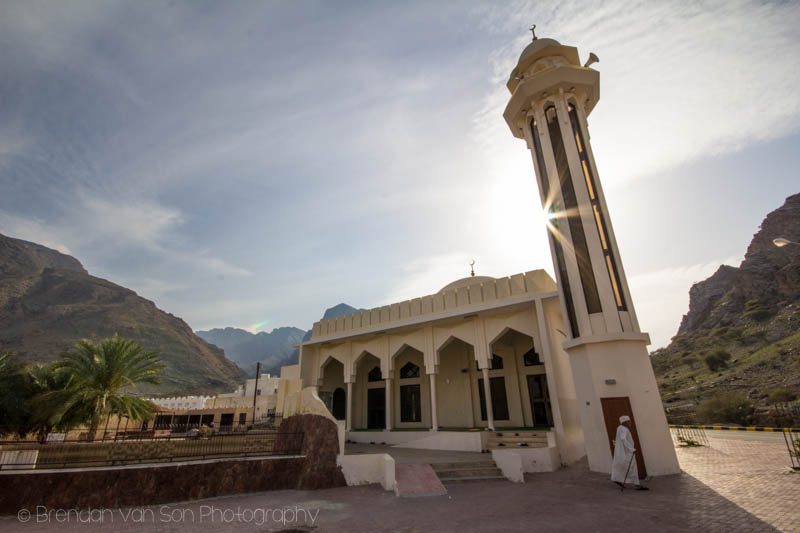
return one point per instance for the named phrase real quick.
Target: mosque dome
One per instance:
(466, 282)
(536, 50)
(533, 49)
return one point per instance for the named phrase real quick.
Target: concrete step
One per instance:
(492, 443)
(471, 479)
(467, 471)
(463, 473)
(519, 439)
(465, 464)
(513, 435)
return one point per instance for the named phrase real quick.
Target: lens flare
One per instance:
(259, 325)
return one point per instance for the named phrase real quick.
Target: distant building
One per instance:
(266, 385)
(181, 402)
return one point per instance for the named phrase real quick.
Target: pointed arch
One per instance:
(449, 340)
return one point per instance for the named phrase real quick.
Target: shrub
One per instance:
(719, 332)
(726, 408)
(782, 395)
(717, 359)
(755, 310)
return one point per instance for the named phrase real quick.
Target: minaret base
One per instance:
(614, 376)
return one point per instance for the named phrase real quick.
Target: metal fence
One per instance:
(689, 436)
(792, 440)
(146, 447)
(695, 435)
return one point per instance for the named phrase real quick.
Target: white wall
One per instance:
(368, 468)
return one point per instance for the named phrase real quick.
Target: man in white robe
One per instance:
(623, 467)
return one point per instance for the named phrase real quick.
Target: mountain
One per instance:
(272, 349)
(48, 301)
(336, 311)
(749, 315)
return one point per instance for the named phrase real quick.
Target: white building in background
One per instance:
(265, 385)
(181, 402)
(557, 359)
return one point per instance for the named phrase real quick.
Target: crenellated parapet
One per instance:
(460, 297)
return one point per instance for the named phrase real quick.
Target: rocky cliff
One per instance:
(48, 301)
(748, 314)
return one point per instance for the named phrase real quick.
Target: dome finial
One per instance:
(472, 268)
(533, 31)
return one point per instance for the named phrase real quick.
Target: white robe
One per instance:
(623, 451)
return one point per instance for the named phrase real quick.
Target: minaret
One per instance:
(551, 97)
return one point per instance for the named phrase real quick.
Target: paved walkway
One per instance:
(731, 485)
(751, 474)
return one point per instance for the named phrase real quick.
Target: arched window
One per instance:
(576, 228)
(531, 358)
(339, 407)
(600, 220)
(409, 370)
(497, 362)
(375, 374)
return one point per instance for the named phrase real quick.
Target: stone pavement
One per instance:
(732, 485)
(751, 474)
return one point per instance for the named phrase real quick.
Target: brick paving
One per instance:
(753, 475)
(731, 485)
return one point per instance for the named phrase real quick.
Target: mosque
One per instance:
(527, 362)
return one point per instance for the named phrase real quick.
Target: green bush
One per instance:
(725, 408)
(782, 395)
(717, 359)
(755, 310)
(719, 332)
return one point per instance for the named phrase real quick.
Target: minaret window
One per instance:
(572, 214)
(559, 252)
(596, 209)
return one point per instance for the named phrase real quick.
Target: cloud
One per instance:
(661, 297)
(32, 230)
(679, 81)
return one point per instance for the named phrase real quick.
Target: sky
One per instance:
(254, 163)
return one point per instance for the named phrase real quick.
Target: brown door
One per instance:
(613, 408)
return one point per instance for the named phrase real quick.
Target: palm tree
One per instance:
(98, 376)
(49, 390)
(14, 393)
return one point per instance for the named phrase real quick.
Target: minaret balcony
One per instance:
(569, 78)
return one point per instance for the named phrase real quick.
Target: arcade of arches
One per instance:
(375, 392)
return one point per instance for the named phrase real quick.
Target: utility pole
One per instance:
(255, 390)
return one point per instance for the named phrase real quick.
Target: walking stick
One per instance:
(627, 471)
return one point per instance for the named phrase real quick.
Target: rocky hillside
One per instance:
(742, 331)
(48, 301)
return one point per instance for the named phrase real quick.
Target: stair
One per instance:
(517, 439)
(467, 471)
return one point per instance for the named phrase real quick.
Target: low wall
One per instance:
(136, 485)
(125, 486)
(516, 461)
(364, 469)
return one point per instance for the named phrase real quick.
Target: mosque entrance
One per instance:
(613, 408)
(339, 407)
(376, 408)
(540, 400)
